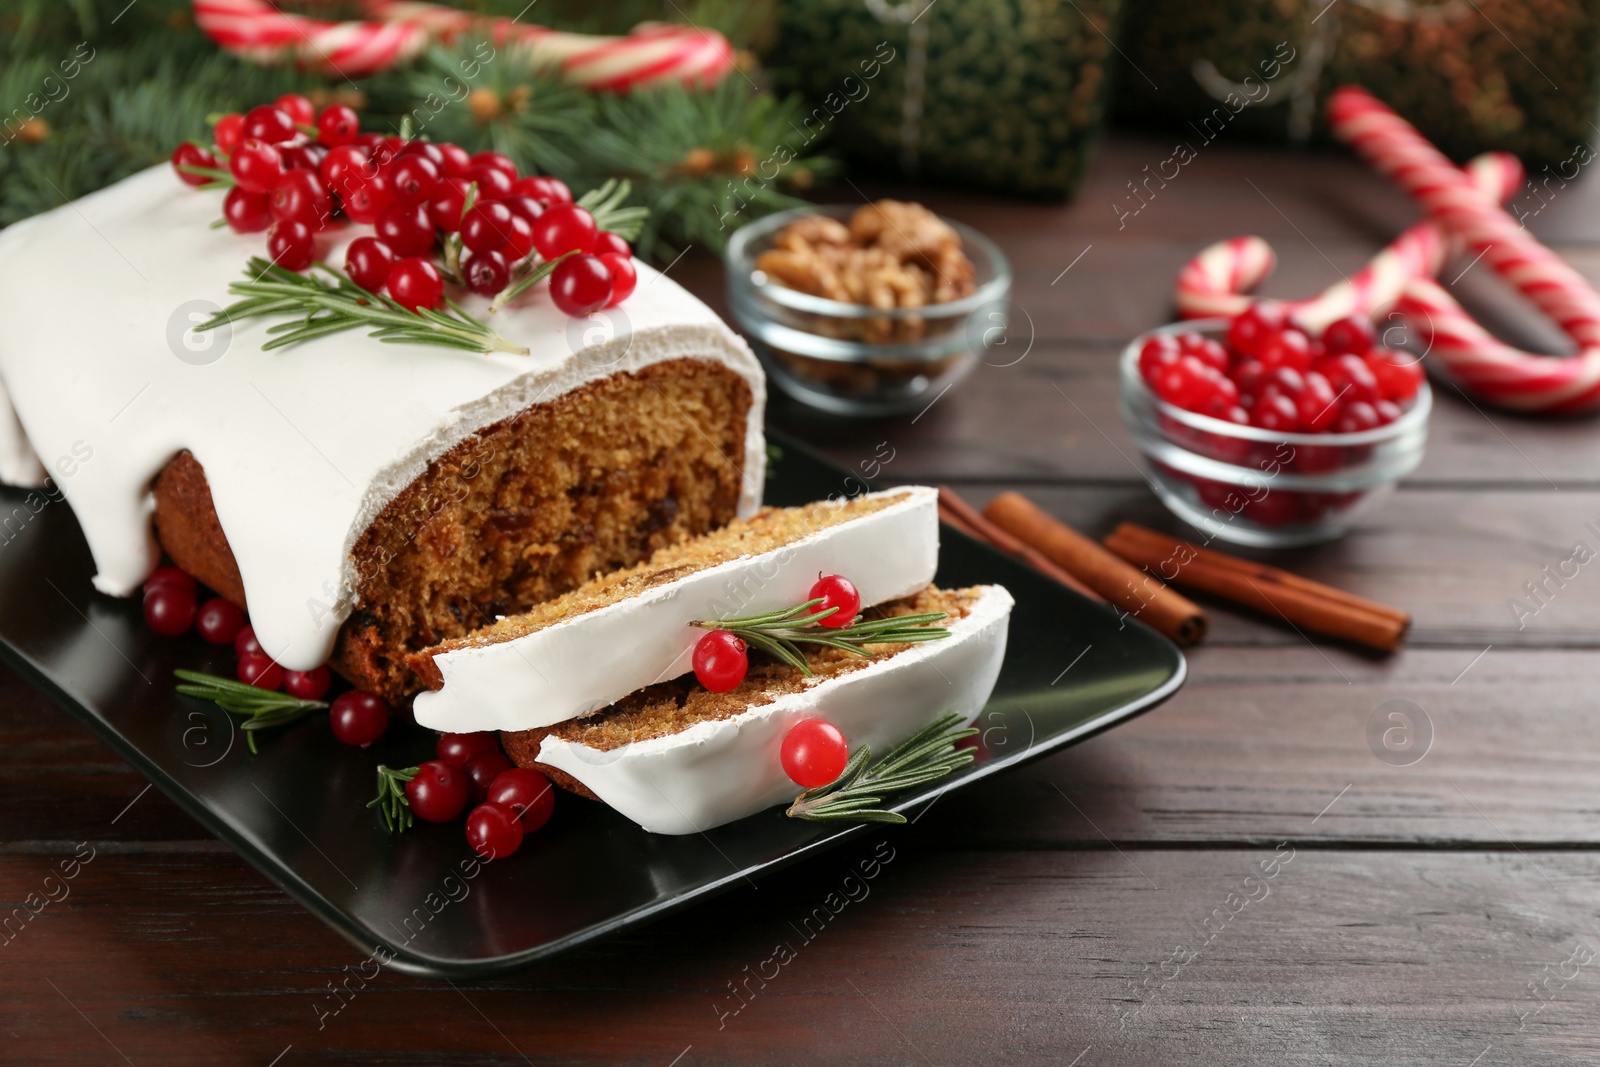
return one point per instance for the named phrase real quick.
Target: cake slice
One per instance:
(632, 628)
(678, 759)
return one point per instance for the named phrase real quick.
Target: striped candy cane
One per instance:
(399, 30)
(1217, 281)
(1484, 366)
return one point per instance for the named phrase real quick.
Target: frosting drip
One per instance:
(302, 446)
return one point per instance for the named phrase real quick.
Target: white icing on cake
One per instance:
(592, 660)
(302, 446)
(715, 772)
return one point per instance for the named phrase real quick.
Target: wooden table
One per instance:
(1235, 877)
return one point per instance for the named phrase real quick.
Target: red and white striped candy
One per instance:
(1484, 366)
(1217, 281)
(399, 30)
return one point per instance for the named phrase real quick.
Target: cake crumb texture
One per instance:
(766, 531)
(525, 510)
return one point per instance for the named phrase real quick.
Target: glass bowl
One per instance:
(1258, 487)
(851, 359)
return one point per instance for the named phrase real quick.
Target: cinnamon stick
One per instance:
(1138, 593)
(1305, 604)
(966, 518)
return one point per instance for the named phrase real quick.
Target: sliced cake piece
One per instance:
(631, 628)
(678, 759)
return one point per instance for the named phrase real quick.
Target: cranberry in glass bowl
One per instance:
(1228, 449)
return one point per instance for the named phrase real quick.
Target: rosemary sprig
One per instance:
(219, 179)
(926, 756)
(263, 708)
(323, 307)
(527, 281)
(604, 202)
(780, 633)
(391, 799)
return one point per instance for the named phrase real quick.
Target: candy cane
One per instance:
(399, 30)
(1483, 365)
(1217, 281)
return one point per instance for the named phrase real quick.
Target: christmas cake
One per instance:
(631, 628)
(362, 500)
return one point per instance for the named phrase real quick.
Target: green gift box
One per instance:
(1518, 75)
(1005, 95)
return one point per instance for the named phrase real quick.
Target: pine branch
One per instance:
(263, 709)
(323, 307)
(854, 796)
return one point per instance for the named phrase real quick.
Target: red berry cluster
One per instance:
(509, 801)
(172, 607)
(721, 658)
(1273, 375)
(296, 173)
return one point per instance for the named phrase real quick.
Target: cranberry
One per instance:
(1156, 354)
(256, 166)
(304, 157)
(338, 125)
(1399, 374)
(623, 277)
(1249, 375)
(308, 685)
(1252, 326)
(1219, 398)
(446, 202)
(259, 669)
(1356, 416)
(486, 272)
(366, 197)
(1279, 507)
(495, 160)
(1351, 378)
(415, 282)
(527, 793)
(368, 262)
(564, 228)
(170, 575)
(519, 238)
(426, 150)
(455, 161)
(720, 661)
(544, 189)
(245, 211)
(1185, 383)
(524, 207)
(244, 642)
(1352, 335)
(486, 227)
(481, 770)
(606, 241)
(1317, 403)
(343, 166)
(301, 196)
(413, 178)
(492, 183)
(299, 109)
(580, 284)
(493, 831)
(229, 132)
(814, 753)
(835, 591)
(1276, 412)
(457, 749)
(437, 793)
(269, 124)
(219, 621)
(290, 244)
(406, 229)
(169, 609)
(188, 155)
(1285, 348)
(359, 718)
(1388, 411)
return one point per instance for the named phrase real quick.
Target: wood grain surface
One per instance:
(1242, 876)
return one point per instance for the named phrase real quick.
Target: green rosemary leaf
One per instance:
(391, 800)
(533, 277)
(926, 756)
(263, 709)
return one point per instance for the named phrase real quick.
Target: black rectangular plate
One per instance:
(297, 811)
